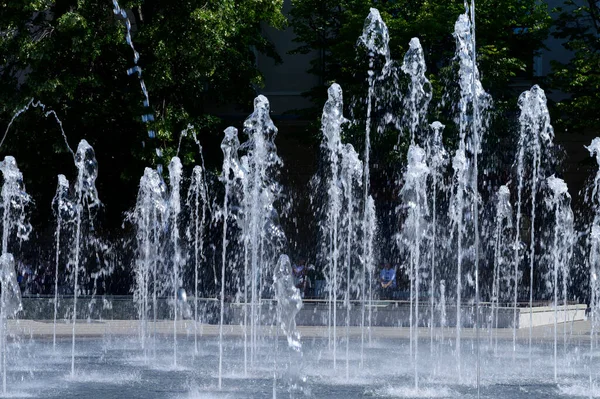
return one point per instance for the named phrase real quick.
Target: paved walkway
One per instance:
(579, 330)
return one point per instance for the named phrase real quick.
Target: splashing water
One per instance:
(559, 202)
(503, 224)
(414, 195)
(149, 218)
(253, 239)
(148, 116)
(262, 236)
(14, 203)
(10, 304)
(175, 176)
(472, 122)
(231, 170)
(342, 209)
(535, 136)
(14, 217)
(368, 269)
(289, 301)
(593, 259)
(375, 38)
(419, 90)
(197, 194)
(332, 121)
(38, 104)
(86, 200)
(437, 159)
(64, 211)
(350, 179)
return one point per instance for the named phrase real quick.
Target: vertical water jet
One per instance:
(230, 172)
(535, 135)
(86, 198)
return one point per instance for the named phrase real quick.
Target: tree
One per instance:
(509, 32)
(72, 56)
(579, 25)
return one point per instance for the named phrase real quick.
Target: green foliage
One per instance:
(72, 56)
(509, 32)
(579, 25)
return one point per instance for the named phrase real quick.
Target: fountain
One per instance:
(414, 195)
(342, 209)
(289, 302)
(230, 146)
(250, 324)
(594, 259)
(471, 120)
(535, 136)
(437, 158)
(149, 217)
(502, 227)
(10, 305)
(197, 195)
(419, 96)
(561, 249)
(261, 191)
(332, 121)
(14, 203)
(175, 172)
(375, 38)
(64, 212)
(86, 199)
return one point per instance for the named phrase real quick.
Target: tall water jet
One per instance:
(593, 260)
(175, 175)
(14, 221)
(149, 218)
(458, 229)
(419, 89)
(414, 195)
(14, 204)
(351, 180)
(375, 38)
(10, 304)
(535, 136)
(343, 178)
(148, 115)
(502, 226)
(472, 122)
(262, 235)
(230, 173)
(86, 199)
(64, 211)
(437, 159)
(289, 303)
(462, 31)
(331, 127)
(368, 270)
(559, 203)
(197, 194)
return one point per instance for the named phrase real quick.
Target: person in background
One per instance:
(300, 278)
(21, 282)
(387, 281)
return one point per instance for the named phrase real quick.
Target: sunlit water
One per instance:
(114, 367)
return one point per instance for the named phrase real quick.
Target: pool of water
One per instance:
(117, 367)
